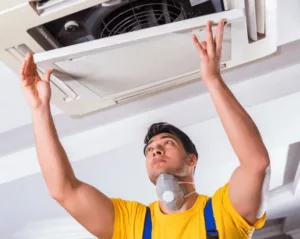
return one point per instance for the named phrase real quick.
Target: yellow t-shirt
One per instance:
(130, 216)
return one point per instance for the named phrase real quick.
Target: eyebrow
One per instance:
(163, 137)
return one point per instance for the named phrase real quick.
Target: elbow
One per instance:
(61, 193)
(267, 163)
(58, 196)
(263, 162)
(257, 162)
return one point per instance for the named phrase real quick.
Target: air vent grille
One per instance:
(140, 15)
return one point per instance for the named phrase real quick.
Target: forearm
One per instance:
(55, 166)
(239, 127)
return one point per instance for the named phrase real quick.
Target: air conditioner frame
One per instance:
(76, 99)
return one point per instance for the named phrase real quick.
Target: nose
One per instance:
(158, 151)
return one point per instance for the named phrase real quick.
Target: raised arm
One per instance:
(246, 183)
(85, 203)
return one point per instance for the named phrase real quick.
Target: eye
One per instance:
(149, 149)
(169, 142)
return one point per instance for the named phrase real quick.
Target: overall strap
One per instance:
(147, 225)
(210, 224)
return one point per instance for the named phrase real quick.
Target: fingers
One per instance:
(199, 47)
(24, 72)
(31, 65)
(219, 37)
(47, 75)
(209, 39)
(24, 67)
(204, 45)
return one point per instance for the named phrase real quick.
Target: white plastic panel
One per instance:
(251, 19)
(106, 71)
(5, 5)
(143, 64)
(45, 7)
(49, 57)
(260, 15)
(134, 63)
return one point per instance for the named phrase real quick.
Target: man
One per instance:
(170, 155)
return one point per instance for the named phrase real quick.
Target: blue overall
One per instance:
(210, 225)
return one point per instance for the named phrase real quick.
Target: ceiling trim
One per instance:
(271, 117)
(278, 73)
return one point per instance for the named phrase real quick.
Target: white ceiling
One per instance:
(267, 88)
(18, 122)
(25, 201)
(14, 110)
(15, 116)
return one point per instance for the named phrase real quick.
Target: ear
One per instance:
(193, 160)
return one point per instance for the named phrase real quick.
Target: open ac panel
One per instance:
(116, 17)
(119, 50)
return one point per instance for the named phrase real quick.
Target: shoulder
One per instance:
(126, 214)
(225, 212)
(153, 205)
(128, 206)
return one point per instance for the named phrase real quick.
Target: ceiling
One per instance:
(18, 122)
(27, 209)
(269, 89)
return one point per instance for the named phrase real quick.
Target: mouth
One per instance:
(158, 160)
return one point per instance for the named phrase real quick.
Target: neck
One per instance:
(189, 201)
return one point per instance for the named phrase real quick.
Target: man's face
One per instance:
(165, 154)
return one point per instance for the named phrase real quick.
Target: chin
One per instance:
(155, 173)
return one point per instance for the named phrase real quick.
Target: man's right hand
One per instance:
(91, 208)
(36, 90)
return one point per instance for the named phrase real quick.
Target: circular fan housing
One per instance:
(117, 17)
(139, 15)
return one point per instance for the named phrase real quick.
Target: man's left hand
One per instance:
(210, 52)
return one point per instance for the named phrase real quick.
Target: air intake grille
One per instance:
(140, 15)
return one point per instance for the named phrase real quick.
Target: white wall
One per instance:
(184, 113)
(97, 153)
(288, 21)
(120, 172)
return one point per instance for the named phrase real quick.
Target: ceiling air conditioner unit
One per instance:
(107, 52)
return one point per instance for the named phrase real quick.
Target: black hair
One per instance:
(163, 127)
